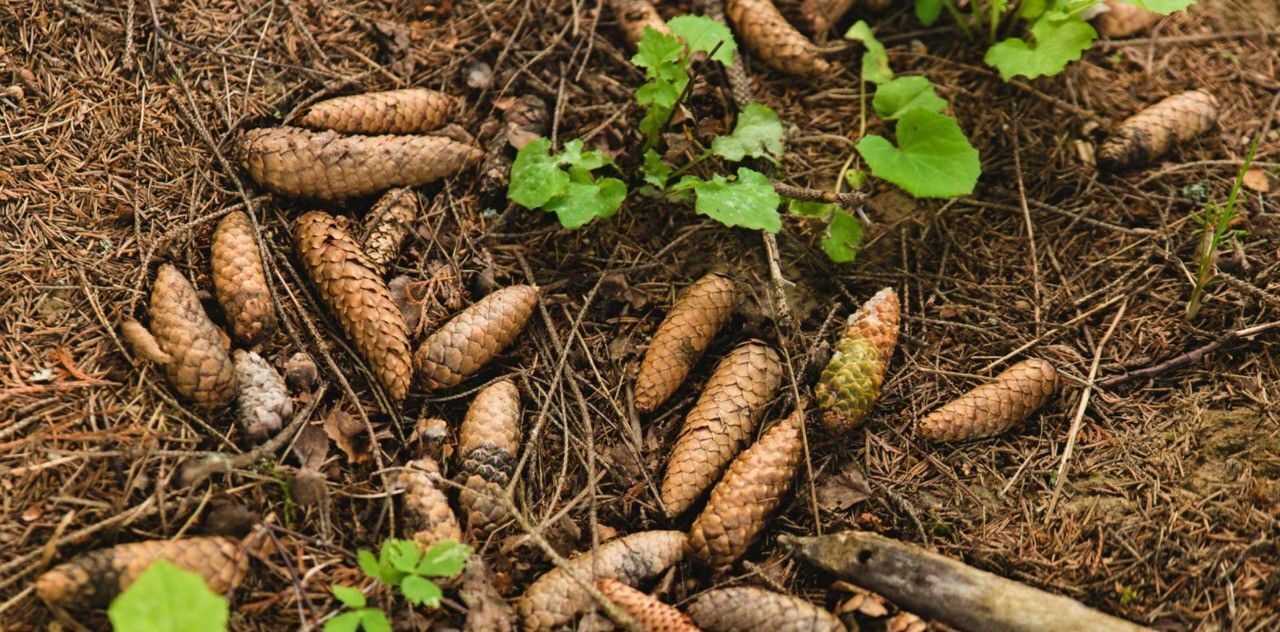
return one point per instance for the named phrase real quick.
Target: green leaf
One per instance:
(166, 598)
(421, 591)
(703, 34)
(587, 200)
(875, 61)
(855, 178)
(1059, 40)
(662, 93)
(927, 11)
(573, 156)
(933, 158)
(758, 134)
(844, 237)
(349, 596)
(894, 98)
(651, 124)
(1163, 7)
(448, 557)
(656, 48)
(809, 208)
(536, 176)
(402, 554)
(345, 622)
(1031, 10)
(374, 620)
(369, 564)
(656, 171)
(749, 201)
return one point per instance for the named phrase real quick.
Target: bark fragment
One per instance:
(850, 385)
(408, 111)
(386, 226)
(682, 338)
(199, 368)
(770, 37)
(428, 518)
(1149, 134)
(650, 612)
(263, 404)
(747, 609)
(474, 337)
(488, 443)
(240, 280)
(995, 406)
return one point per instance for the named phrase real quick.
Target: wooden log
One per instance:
(937, 587)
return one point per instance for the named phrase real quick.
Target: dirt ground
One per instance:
(117, 154)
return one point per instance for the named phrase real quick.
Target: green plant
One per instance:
(166, 598)
(404, 565)
(1216, 220)
(563, 184)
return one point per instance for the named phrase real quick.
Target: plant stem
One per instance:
(1217, 221)
(707, 153)
(959, 18)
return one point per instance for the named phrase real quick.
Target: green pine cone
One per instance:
(850, 384)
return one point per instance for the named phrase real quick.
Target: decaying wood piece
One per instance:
(651, 613)
(751, 489)
(474, 337)
(850, 385)
(526, 120)
(1149, 134)
(747, 609)
(428, 517)
(995, 406)
(357, 296)
(940, 588)
(240, 281)
(1122, 19)
(682, 338)
(198, 366)
(263, 404)
(634, 16)
(770, 37)
(408, 111)
(487, 611)
(386, 226)
(330, 166)
(488, 443)
(555, 599)
(92, 580)
(820, 15)
(720, 423)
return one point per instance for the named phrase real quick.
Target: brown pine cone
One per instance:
(94, 579)
(488, 442)
(652, 614)
(721, 423)
(263, 404)
(995, 406)
(747, 609)
(386, 226)
(428, 518)
(770, 37)
(750, 490)
(526, 120)
(240, 281)
(199, 367)
(330, 166)
(358, 297)
(1149, 134)
(682, 338)
(850, 384)
(408, 111)
(818, 16)
(1122, 19)
(636, 15)
(474, 337)
(142, 343)
(555, 599)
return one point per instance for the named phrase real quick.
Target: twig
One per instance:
(848, 198)
(1184, 359)
(1184, 39)
(223, 462)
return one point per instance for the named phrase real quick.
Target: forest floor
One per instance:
(116, 156)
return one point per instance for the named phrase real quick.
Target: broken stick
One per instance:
(938, 587)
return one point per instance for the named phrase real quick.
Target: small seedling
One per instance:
(404, 565)
(1216, 219)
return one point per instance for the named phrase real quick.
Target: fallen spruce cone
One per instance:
(190, 346)
(1147, 135)
(358, 297)
(682, 338)
(524, 121)
(240, 281)
(386, 226)
(1122, 19)
(488, 442)
(652, 614)
(263, 404)
(329, 166)
(487, 611)
(408, 111)
(428, 518)
(850, 385)
(92, 580)
(720, 423)
(747, 609)
(750, 490)
(995, 406)
(820, 15)
(474, 337)
(555, 599)
(770, 37)
(634, 16)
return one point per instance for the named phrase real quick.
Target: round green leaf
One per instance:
(875, 61)
(933, 158)
(758, 133)
(421, 591)
(894, 98)
(345, 622)
(749, 201)
(349, 596)
(166, 598)
(844, 237)
(1059, 40)
(536, 176)
(704, 34)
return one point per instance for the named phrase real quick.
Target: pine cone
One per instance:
(474, 337)
(428, 518)
(770, 37)
(747, 609)
(408, 111)
(1149, 134)
(751, 489)
(358, 297)
(330, 166)
(682, 338)
(240, 280)
(648, 611)
(386, 226)
(199, 367)
(818, 16)
(263, 404)
(634, 16)
(94, 579)
(488, 442)
(1122, 19)
(720, 423)
(850, 384)
(995, 406)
